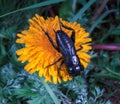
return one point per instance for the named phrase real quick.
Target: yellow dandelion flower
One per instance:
(39, 52)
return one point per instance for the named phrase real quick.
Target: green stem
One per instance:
(112, 72)
(109, 76)
(56, 101)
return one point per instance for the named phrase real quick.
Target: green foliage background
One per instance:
(102, 77)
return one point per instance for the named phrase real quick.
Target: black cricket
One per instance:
(65, 45)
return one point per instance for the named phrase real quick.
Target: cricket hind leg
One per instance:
(81, 47)
(61, 64)
(50, 39)
(54, 62)
(54, 46)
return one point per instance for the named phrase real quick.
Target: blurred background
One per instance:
(101, 83)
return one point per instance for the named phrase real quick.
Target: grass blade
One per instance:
(100, 19)
(113, 72)
(51, 93)
(49, 2)
(80, 13)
